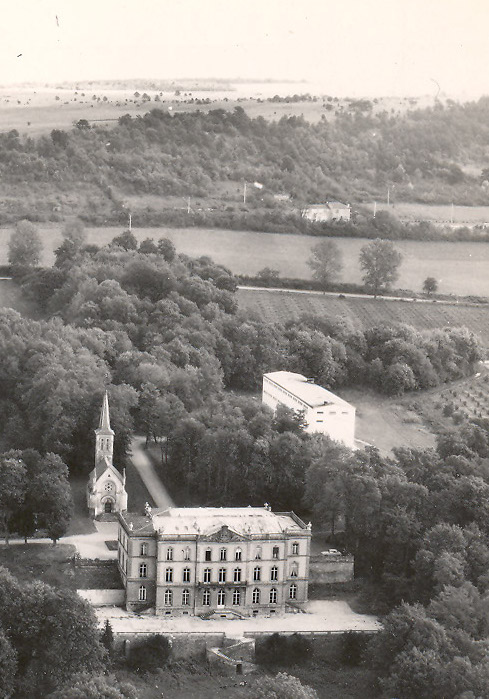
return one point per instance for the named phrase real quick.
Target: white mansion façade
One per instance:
(236, 561)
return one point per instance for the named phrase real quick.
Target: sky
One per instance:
(348, 47)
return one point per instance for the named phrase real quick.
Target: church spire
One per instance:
(104, 435)
(104, 424)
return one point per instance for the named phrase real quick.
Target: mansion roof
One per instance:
(225, 522)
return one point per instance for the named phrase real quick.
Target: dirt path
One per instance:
(146, 470)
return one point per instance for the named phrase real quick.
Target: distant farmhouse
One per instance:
(331, 211)
(228, 561)
(106, 488)
(324, 412)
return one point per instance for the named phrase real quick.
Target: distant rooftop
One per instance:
(329, 205)
(312, 394)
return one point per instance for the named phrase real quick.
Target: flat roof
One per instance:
(312, 394)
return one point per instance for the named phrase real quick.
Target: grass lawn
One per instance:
(386, 423)
(51, 564)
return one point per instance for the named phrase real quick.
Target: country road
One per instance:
(381, 297)
(146, 470)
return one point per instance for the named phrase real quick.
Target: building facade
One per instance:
(242, 561)
(106, 488)
(331, 211)
(324, 412)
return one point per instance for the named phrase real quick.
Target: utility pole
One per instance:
(375, 208)
(130, 222)
(244, 193)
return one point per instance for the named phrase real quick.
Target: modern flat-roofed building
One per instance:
(324, 411)
(247, 561)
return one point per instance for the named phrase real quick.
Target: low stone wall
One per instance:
(184, 645)
(331, 569)
(103, 598)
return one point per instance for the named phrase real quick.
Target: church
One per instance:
(106, 488)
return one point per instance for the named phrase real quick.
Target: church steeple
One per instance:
(104, 443)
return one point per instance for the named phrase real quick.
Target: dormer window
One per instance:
(237, 554)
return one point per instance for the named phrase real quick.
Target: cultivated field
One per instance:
(460, 268)
(37, 110)
(280, 306)
(441, 213)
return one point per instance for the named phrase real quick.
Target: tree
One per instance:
(107, 638)
(24, 247)
(430, 285)
(12, 491)
(325, 262)
(86, 686)
(167, 249)
(380, 261)
(267, 275)
(8, 667)
(282, 686)
(126, 240)
(151, 654)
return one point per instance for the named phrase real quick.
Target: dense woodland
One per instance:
(431, 155)
(163, 333)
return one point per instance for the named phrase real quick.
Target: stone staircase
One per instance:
(236, 655)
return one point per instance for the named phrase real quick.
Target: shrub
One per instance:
(352, 648)
(283, 650)
(151, 654)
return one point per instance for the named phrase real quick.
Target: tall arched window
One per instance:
(143, 570)
(293, 591)
(295, 548)
(207, 574)
(273, 595)
(257, 573)
(144, 549)
(185, 597)
(274, 573)
(236, 597)
(294, 569)
(168, 598)
(222, 575)
(206, 598)
(169, 554)
(169, 575)
(256, 596)
(142, 594)
(223, 554)
(237, 575)
(221, 598)
(186, 575)
(237, 554)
